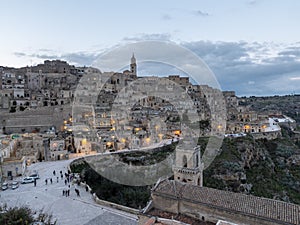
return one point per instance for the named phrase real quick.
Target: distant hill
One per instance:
(288, 105)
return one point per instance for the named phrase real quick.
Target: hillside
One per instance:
(266, 168)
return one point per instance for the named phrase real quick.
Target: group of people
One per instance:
(46, 181)
(68, 179)
(66, 192)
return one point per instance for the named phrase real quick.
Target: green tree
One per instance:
(23, 216)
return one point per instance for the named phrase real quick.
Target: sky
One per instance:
(252, 46)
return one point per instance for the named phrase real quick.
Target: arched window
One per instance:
(184, 161)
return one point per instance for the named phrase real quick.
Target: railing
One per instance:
(187, 170)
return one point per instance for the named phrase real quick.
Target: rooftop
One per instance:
(239, 203)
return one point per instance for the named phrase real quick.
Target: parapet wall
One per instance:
(35, 119)
(267, 135)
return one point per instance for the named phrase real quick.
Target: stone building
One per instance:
(208, 204)
(48, 84)
(38, 120)
(53, 66)
(13, 167)
(182, 81)
(57, 149)
(31, 147)
(82, 145)
(188, 166)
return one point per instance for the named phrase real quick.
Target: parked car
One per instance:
(14, 185)
(35, 176)
(4, 186)
(27, 180)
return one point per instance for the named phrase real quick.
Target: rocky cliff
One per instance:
(266, 168)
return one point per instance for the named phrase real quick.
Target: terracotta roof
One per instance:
(240, 203)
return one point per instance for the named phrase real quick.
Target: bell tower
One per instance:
(188, 166)
(133, 65)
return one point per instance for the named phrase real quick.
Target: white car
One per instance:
(27, 180)
(35, 176)
(4, 186)
(14, 185)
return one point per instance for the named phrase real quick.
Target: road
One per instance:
(67, 210)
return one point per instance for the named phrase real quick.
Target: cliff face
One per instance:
(266, 168)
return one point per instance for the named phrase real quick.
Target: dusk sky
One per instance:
(253, 47)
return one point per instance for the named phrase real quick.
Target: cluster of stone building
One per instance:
(119, 110)
(48, 84)
(103, 100)
(115, 110)
(20, 150)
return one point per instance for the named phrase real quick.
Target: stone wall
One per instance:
(15, 167)
(268, 135)
(39, 119)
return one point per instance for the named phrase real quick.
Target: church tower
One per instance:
(188, 166)
(133, 65)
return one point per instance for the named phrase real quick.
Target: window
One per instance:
(184, 161)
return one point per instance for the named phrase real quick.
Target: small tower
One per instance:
(133, 65)
(188, 166)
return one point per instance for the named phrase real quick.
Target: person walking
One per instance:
(65, 181)
(34, 182)
(51, 180)
(77, 192)
(63, 192)
(46, 181)
(54, 172)
(57, 179)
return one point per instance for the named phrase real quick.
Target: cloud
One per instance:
(252, 68)
(293, 51)
(247, 68)
(166, 17)
(76, 58)
(44, 56)
(294, 78)
(80, 58)
(201, 13)
(252, 2)
(19, 54)
(147, 37)
(45, 50)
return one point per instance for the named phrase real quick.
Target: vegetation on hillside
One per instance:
(131, 196)
(265, 168)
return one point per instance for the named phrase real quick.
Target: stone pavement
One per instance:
(67, 210)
